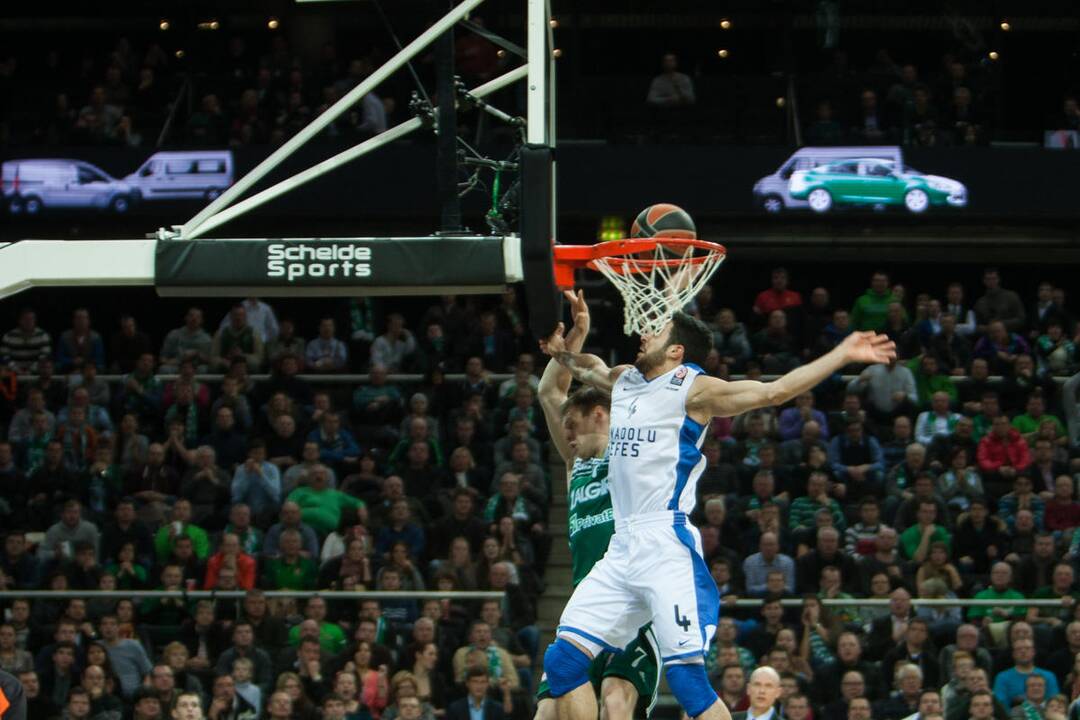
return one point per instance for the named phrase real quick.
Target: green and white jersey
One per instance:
(592, 521)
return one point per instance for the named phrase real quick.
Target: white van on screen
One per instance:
(187, 175)
(33, 185)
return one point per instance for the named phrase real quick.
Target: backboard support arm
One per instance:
(190, 229)
(342, 158)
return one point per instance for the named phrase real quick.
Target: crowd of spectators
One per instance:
(885, 103)
(890, 102)
(171, 483)
(947, 474)
(227, 88)
(232, 95)
(925, 478)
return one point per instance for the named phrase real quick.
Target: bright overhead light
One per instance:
(163, 25)
(725, 24)
(553, 23)
(993, 55)
(723, 53)
(780, 102)
(557, 53)
(273, 23)
(1006, 26)
(179, 54)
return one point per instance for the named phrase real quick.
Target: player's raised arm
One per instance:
(588, 369)
(555, 382)
(711, 397)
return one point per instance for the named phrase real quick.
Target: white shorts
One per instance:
(653, 571)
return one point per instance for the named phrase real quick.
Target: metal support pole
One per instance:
(317, 125)
(184, 90)
(536, 88)
(794, 125)
(340, 159)
(446, 166)
(550, 129)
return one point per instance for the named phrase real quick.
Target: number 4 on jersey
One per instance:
(681, 620)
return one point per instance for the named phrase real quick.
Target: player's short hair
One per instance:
(585, 400)
(693, 335)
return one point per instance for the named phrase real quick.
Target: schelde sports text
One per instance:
(296, 261)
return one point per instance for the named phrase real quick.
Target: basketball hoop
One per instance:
(656, 276)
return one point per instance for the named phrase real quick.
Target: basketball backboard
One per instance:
(189, 259)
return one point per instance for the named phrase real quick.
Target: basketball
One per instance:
(663, 220)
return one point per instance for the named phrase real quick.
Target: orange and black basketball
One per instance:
(663, 220)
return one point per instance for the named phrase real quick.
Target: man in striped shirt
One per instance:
(803, 512)
(26, 344)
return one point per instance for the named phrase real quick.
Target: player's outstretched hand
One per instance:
(555, 343)
(869, 347)
(579, 311)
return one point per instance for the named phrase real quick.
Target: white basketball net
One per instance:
(656, 283)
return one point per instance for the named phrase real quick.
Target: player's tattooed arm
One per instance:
(585, 368)
(555, 382)
(588, 369)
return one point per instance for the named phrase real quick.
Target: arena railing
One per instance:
(414, 378)
(483, 595)
(239, 594)
(916, 602)
(320, 379)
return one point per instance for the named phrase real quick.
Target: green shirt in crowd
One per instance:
(1061, 612)
(910, 539)
(321, 509)
(331, 637)
(163, 544)
(870, 310)
(803, 510)
(1015, 611)
(1025, 424)
(280, 574)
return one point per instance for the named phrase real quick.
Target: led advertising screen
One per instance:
(822, 179)
(32, 186)
(881, 183)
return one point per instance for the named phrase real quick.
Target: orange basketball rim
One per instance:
(656, 276)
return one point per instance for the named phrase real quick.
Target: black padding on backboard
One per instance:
(543, 298)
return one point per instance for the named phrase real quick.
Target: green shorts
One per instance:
(638, 663)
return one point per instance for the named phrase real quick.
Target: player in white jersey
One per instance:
(654, 570)
(579, 430)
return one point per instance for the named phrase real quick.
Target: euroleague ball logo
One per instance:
(679, 376)
(302, 261)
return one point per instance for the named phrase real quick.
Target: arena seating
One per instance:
(230, 454)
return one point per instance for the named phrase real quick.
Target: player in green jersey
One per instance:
(579, 428)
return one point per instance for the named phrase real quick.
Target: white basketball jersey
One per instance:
(655, 447)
